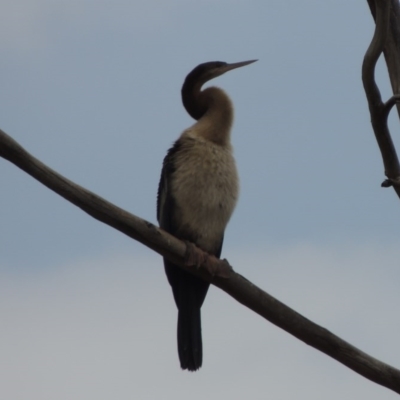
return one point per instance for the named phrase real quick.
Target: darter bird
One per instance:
(197, 194)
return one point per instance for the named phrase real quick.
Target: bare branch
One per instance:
(391, 48)
(203, 265)
(386, 38)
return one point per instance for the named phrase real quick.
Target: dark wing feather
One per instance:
(165, 201)
(189, 292)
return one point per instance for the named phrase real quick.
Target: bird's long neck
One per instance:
(213, 110)
(191, 98)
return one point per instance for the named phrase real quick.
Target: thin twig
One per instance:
(389, 105)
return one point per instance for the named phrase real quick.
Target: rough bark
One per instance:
(218, 272)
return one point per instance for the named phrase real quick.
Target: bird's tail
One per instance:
(190, 347)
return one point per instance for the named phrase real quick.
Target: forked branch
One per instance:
(386, 40)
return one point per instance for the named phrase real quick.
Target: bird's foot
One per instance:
(195, 257)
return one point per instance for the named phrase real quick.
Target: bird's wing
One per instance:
(165, 201)
(166, 207)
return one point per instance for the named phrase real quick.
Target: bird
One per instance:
(197, 193)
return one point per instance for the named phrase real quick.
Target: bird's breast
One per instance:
(205, 187)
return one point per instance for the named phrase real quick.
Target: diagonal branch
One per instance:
(205, 266)
(386, 39)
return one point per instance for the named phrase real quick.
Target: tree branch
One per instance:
(391, 48)
(192, 259)
(386, 39)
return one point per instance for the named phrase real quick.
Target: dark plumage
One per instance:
(197, 194)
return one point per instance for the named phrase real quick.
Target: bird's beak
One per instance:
(229, 67)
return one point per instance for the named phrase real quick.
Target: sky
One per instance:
(92, 89)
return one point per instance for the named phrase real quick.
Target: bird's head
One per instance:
(191, 89)
(210, 70)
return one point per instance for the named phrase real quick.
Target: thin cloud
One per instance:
(27, 25)
(105, 328)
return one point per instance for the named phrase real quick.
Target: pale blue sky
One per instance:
(92, 88)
